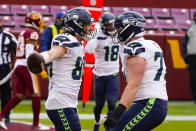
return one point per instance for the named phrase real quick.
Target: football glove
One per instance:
(35, 62)
(114, 116)
(44, 74)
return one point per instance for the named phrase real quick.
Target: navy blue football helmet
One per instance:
(75, 19)
(128, 25)
(107, 20)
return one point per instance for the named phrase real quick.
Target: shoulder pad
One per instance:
(62, 38)
(134, 45)
(134, 48)
(65, 41)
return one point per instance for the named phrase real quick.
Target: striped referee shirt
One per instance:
(8, 44)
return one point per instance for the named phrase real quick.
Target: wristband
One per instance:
(121, 108)
(46, 57)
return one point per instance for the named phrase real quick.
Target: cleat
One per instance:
(40, 127)
(96, 126)
(2, 125)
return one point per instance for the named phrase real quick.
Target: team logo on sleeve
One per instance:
(62, 39)
(134, 49)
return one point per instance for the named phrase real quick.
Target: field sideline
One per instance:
(181, 115)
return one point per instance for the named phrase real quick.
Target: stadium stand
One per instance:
(7, 21)
(107, 9)
(151, 24)
(191, 13)
(19, 21)
(161, 13)
(160, 19)
(5, 10)
(117, 10)
(44, 9)
(55, 9)
(146, 12)
(48, 20)
(179, 14)
(166, 24)
(20, 10)
(183, 24)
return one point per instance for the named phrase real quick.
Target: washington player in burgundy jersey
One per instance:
(25, 80)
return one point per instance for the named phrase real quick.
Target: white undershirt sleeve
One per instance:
(91, 46)
(29, 49)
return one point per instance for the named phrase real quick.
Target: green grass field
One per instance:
(182, 108)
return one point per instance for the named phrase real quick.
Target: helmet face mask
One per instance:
(79, 22)
(128, 25)
(107, 20)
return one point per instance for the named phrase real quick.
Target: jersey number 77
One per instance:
(160, 70)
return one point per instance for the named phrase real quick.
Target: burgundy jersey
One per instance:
(28, 34)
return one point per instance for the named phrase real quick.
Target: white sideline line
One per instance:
(91, 117)
(29, 123)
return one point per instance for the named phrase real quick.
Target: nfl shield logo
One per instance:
(93, 2)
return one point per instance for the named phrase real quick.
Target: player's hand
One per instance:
(110, 122)
(186, 60)
(35, 62)
(114, 116)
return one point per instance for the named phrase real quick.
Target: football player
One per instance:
(145, 73)
(67, 55)
(25, 80)
(106, 68)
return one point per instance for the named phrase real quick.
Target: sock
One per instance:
(36, 105)
(9, 106)
(97, 114)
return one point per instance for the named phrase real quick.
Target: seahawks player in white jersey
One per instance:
(106, 68)
(145, 72)
(67, 54)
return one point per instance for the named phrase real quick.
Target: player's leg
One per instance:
(33, 87)
(192, 76)
(112, 91)
(5, 96)
(5, 88)
(143, 115)
(65, 119)
(20, 90)
(99, 100)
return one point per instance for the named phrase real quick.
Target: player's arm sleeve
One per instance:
(29, 48)
(54, 53)
(135, 49)
(31, 41)
(64, 41)
(60, 46)
(46, 39)
(136, 67)
(91, 46)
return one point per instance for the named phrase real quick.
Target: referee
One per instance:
(8, 44)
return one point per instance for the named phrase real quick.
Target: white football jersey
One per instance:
(67, 73)
(106, 54)
(153, 83)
